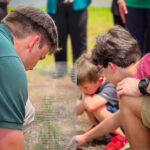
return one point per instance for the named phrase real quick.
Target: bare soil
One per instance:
(62, 91)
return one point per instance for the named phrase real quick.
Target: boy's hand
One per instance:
(128, 87)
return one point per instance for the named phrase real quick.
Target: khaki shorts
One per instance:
(145, 111)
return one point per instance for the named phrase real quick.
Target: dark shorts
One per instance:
(111, 108)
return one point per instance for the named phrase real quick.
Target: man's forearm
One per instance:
(105, 127)
(11, 139)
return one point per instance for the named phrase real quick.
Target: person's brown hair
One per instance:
(86, 71)
(116, 46)
(24, 21)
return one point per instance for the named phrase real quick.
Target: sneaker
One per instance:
(89, 129)
(116, 143)
(61, 70)
(126, 147)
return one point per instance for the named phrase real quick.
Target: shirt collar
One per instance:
(6, 32)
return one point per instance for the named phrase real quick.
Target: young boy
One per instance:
(98, 98)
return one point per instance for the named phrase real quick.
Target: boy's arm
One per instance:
(103, 128)
(94, 102)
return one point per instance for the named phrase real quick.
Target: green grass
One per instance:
(99, 21)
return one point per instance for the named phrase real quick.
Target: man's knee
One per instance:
(131, 105)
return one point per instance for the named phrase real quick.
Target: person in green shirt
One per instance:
(3, 8)
(136, 15)
(27, 34)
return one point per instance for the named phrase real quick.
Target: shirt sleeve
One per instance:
(143, 70)
(13, 92)
(108, 92)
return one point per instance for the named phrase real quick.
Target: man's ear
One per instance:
(101, 79)
(112, 66)
(34, 40)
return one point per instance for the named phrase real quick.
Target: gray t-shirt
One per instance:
(108, 92)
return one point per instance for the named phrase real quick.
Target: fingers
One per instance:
(71, 145)
(119, 89)
(119, 94)
(123, 10)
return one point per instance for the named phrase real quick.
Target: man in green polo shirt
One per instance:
(136, 15)
(27, 34)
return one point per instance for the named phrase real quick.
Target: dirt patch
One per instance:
(55, 121)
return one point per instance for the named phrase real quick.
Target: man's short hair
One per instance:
(27, 20)
(116, 46)
(87, 72)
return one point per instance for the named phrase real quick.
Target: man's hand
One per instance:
(123, 10)
(79, 140)
(128, 87)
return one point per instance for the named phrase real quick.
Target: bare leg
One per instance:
(102, 113)
(138, 135)
(91, 117)
(80, 109)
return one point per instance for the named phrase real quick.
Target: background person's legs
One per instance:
(147, 35)
(78, 32)
(118, 21)
(60, 19)
(136, 25)
(3, 10)
(138, 135)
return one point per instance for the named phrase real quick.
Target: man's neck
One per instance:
(132, 69)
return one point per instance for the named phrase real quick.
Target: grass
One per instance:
(99, 20)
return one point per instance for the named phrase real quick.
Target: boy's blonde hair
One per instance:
(87, 72)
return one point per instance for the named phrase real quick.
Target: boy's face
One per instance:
(89, 88)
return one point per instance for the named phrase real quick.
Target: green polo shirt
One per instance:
(138, 3)
(13, 83)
